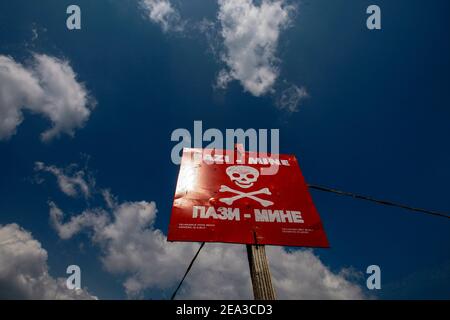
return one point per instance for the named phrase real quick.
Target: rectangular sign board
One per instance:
(237, 202)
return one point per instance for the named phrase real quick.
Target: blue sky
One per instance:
(375, 122)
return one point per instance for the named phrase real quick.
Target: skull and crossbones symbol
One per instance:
(244, 177)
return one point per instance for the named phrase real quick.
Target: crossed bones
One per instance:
(250, 195)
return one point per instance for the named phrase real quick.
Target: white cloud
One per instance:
(251, 34)
(301, 274)
(47, 87)
(96, 219)
(130, 244)
(35, 34)
(222, 272)
(70, 183)
(291, 98)
(109, 198)
(18, 87)
(162, 12)
(24, 270)
(223, 79)
(244, 37)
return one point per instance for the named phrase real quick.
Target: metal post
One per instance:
(260, 273)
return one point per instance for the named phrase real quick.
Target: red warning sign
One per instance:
(222, 199)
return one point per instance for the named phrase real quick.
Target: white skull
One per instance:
(243, 176)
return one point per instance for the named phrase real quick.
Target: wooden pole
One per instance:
(260, 273)
(257, 260)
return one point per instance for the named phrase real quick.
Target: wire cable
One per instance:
(187, 271)
(383, 202)
(342, 193)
